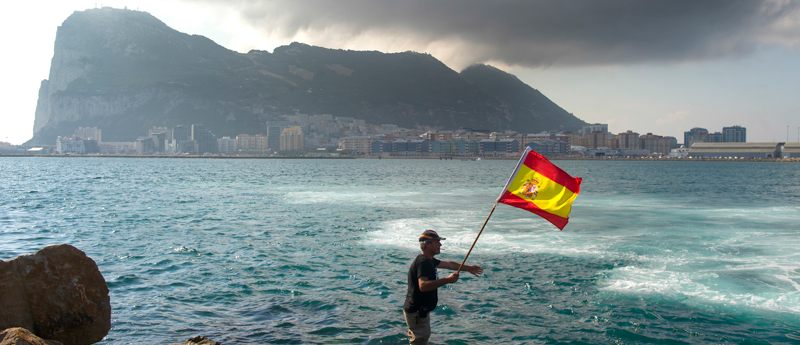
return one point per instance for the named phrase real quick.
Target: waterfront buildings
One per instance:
(301, 133)
(733, 134)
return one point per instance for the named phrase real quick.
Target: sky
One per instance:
(660, 67)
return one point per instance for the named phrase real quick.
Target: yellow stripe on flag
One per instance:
(550, 196)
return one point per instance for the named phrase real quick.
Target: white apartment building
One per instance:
(358, 144)
(227, 145)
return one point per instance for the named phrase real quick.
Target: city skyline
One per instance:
(709, 64)
(328, 131)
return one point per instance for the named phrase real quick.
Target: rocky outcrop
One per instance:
(21, 336)
(57, 293)
(113, 68)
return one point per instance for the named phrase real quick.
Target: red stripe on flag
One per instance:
(541, 165)
(513, 200)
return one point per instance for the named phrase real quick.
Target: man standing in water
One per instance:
(423, 280)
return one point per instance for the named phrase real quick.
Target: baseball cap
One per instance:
(430, 235)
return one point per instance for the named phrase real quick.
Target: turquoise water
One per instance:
(316, 251)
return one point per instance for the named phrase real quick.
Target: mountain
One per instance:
(125, 71)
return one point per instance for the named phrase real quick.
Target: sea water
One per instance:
(317, 251)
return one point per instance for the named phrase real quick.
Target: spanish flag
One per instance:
(542, 188)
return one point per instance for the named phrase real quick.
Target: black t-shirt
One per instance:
(416, 299)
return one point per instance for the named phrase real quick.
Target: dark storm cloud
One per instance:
(534, 33)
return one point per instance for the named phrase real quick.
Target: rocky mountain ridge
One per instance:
(125, 71)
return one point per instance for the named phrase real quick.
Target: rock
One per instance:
(57, 293)
(200, 340)
(21, 336)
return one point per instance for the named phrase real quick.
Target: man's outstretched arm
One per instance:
(452, 265)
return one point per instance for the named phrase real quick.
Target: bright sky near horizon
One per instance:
(648, 66)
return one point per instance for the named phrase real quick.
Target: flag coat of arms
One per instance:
(540, 187)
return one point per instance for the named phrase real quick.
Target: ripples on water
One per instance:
(316, 251)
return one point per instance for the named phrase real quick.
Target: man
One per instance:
(423, 280)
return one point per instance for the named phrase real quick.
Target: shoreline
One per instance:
(639, 159)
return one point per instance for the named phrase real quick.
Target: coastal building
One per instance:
(681, 152)
(632, 152)
(106, 149)
(227, 145)
(359, 144)
(654, 143)
(673, 142)
(88, 133)
(550, 147)
(694, 135)
(258, 143)
(715, 137)
(145, 146)
(739, 150)
(595, 140)
(734, 134)
(500, 147)
(574, 138)
(117, 147)
(503, 135)
(181, 132)
(292, 139)
(469, 135)
(440, 135)
(524, 140)
(159, 140)
(627, 140)
(204, 140)
(380, 147)
(442, 146)
(466, 146)
(66, 145)
(274, 137)
(410, 147)
(595, 127)
(791, 150)
(76, 145)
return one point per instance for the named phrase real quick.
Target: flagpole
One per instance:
(522, 158)
(476, 238)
